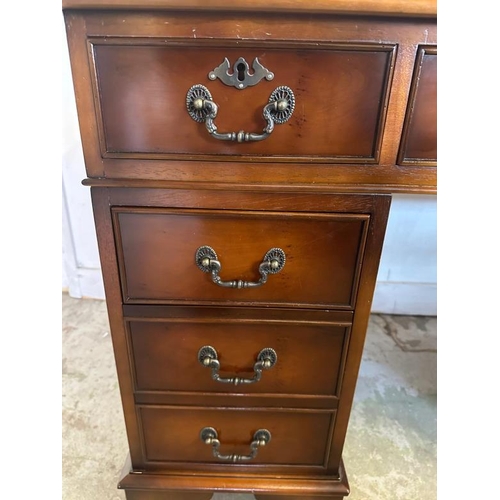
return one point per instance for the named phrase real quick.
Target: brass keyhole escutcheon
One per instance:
(240, 75)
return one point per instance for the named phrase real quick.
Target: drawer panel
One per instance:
(157, 250)
(307, 356)
(339, 110)
(419, 139)
(298, 437)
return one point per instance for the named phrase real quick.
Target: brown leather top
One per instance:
(425, 8)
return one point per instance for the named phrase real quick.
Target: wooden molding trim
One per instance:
(254, 187)
(141, 481)
(423, 8)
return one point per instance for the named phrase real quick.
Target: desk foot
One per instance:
(166, 495)
(142, 485)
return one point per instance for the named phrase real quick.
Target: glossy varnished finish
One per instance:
(419, 141)
(310, 355)
(158, 360)
(339, 110)
(364, 80)
(299, 437)
(298, 497)
(258, 484)
(413, 8)
(172, 495)
(209, 29)
(107, 201)
(157, 251)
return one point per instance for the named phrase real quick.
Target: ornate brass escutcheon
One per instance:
(241, 76)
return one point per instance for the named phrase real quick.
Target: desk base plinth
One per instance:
(151, 486)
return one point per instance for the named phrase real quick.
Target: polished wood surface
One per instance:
(419, 141)
(297, 497)
(171, 495)
(226, 318)
(301, 486)
(111, 279)
(364, 76)
(382, 7)
(309, 356)
(250, 29)
(376, 207)
(338, 116)
(299, 437)
(157, 256)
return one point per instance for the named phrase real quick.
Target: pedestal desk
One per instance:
(241, 157)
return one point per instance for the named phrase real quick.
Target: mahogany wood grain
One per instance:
(156, 251)
(296, 497)
(252, 399)
(265, 200)
(364, 75)
(419, 140)
(310, 357)
(191, 314)
(171, 495)
(338, 116)
(76, 33)
(362, 7)
(376, 206)
(408, 34)
(109, 266)
(299, 437)
(290, 187)
(221, 315)
(237, 482)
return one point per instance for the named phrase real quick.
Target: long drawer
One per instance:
(337, 114)
(185, 435)
(228, 351)
(318, 256)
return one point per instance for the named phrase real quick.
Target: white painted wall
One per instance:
(81, 266)
(407, 276)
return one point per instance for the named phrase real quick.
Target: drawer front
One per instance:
(298, 437)
(157, 251)
(339, 107)
(173, 354)
(419, 139)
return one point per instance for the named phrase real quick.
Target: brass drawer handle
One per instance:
(272, 263)
(202, 108)
(266, 359)
(209, 436)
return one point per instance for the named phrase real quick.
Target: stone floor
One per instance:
(390, 450)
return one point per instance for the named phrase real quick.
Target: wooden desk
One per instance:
(241, 158)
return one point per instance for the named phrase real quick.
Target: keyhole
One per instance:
(241, 72)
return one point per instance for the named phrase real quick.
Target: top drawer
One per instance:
(419, 139)
(340, 91)
(161, 256)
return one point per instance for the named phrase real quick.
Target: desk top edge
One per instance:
(417, 8)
